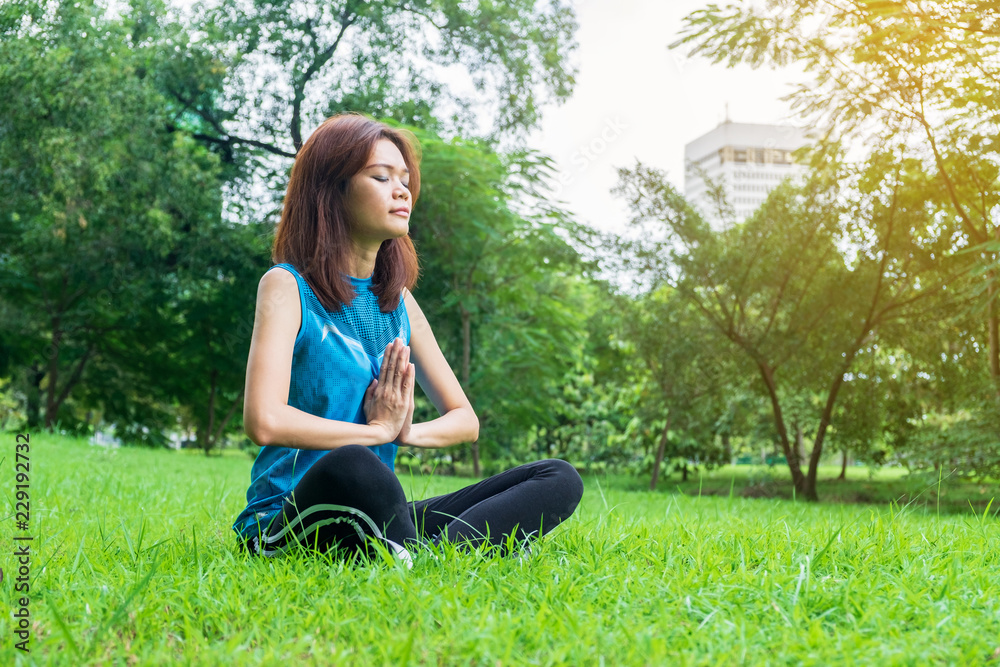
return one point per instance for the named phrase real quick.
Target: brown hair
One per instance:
(313, 235)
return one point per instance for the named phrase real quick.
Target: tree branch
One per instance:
(225, 139)
(321, 59)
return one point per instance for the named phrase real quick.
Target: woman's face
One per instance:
(378, 197)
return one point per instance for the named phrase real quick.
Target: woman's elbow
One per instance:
(258, 429)
(473, 426)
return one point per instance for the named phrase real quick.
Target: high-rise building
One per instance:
(748, 160)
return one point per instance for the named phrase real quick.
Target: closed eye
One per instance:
(384, 179)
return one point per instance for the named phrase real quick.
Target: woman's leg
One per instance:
(526, 502)
(345, 498)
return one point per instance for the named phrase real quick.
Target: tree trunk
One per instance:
(800, 445)
(34, 399)
(727, 448)
(824, 423)
(206, 436)
(466, 370)
(659, 456)
(50, 390)
(684, 471)
(994, 329)
(798, 479)
(843, 467)
(229, 415)
(54, 397)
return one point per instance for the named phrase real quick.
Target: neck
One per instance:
(362, 261)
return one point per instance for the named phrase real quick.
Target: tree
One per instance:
(288, 65)
(96, 194)
(495, 284)
(936, 401)
(686, 360)
(807, 281)
(156, 146)
(921, 74)
(198, 360)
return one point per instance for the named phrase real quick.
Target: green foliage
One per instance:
(802, 286)
(498, 286)
(127, 292)
(142, 158)
(925, 76)
(199, 359)
(98, 196)
(11, 408)
(689, 363)
(291, 64)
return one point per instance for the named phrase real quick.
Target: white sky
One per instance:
(634, 98)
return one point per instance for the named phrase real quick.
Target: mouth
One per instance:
(405, 212)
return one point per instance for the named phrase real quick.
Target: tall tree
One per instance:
(803, 285)
(198, 359)
(924, 74)
(288, 65)
(495, 283)
(935, 402)
(687, 363)
(96, 196)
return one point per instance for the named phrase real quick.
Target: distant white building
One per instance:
(748, 160)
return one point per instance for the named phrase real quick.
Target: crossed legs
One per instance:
(349, 496)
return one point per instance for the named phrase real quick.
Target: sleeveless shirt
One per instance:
(336, 356)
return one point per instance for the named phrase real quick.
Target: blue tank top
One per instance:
(336, 356)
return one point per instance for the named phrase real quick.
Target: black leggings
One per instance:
(349, 496)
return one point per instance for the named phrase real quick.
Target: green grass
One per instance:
(134, 563)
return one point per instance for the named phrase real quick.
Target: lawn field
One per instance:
(132, 562)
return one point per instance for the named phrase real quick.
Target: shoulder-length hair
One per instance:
(314, 232)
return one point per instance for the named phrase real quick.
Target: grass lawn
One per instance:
(133, 562)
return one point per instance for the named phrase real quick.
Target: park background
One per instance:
(852, 319)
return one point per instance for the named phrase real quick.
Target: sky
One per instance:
(637, 99)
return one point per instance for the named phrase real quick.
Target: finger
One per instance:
(408, 387)
(385, 362)
(397, 353)
(368, 401)
(388, 363)
(407, 381)
(402, 366)
(410, 405)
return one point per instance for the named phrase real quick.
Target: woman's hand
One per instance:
(388, 402)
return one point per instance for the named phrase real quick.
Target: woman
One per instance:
(338, 344)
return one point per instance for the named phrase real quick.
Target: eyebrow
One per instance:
(387, 166)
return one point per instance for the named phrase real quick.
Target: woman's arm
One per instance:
(267, 417)
(458, 421)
